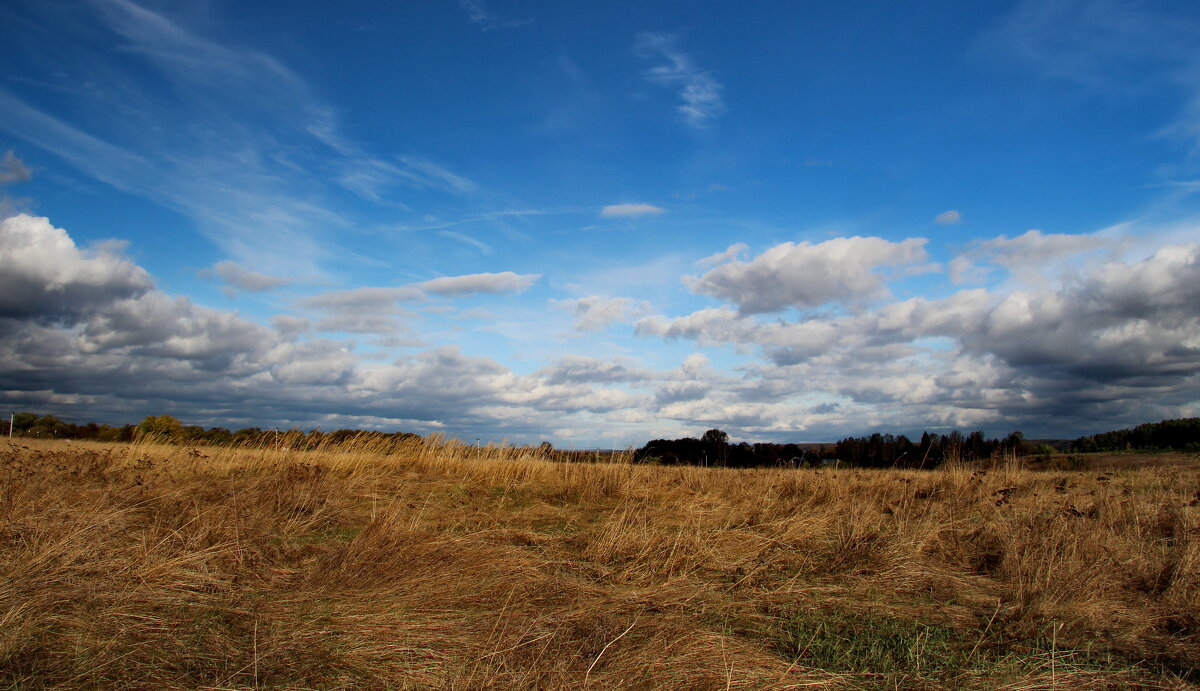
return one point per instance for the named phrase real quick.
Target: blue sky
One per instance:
(599, 224)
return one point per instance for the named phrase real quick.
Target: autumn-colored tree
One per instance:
(163, 426)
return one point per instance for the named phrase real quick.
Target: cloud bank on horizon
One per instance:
(460, 221)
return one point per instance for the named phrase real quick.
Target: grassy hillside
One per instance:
(438, 565)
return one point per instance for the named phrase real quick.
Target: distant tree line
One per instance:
(714, 449)
(50, 427)
(1168, 435)
(876, 450)
(167, 428)
(888, 451)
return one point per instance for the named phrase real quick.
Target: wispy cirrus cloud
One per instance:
(483, 247)
(254, 155)
(630, 210)
(948, 218)
(479, 13)
(1106, 47)
(696, 87)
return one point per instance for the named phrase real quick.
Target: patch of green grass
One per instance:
(885, 651)
(513, 497)
(332, 534)
(857, 643)
(556, 527)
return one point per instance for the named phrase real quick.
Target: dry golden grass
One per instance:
(433, 564)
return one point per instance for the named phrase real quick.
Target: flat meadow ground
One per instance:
(433, 564)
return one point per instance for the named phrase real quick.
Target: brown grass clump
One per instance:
(434, 564)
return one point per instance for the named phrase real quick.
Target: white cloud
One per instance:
(1109, 46)
(806, 275)
(379, 300)
(361, 323)
(483, 248)
(707, 327)
(43, 273)
(503, 282)
(254, 156)
(732, 252)
(94, 340)
(630, 210)
(423, 172)
(581, 369)
(696, 87)
(948, 218)
(241, 278)
(597, 312)
(1036, 247)
(1117, 340)
(963, 269)
(1028, 256)
(289, 326)
(374, 298)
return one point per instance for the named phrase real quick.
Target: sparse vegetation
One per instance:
(423, 563)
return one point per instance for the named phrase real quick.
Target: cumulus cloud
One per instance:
(289, 326)
(964, 269)
(44, 275)
(698, 90)
(1119, 339)
(707, 327)
(948, 218)
(87, 335)
(630, 210)
(1034, 246)
(1122, 321)
(806, 275)
(1026, 256)
(596, 312)
(578, 369)
(1116, 340)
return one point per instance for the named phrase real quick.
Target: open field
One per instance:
(438, 565)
